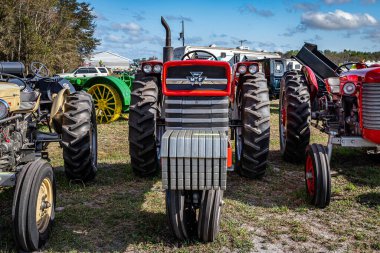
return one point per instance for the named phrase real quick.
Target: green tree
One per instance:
(59, 33)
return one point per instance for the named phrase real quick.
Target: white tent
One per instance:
(109, 60)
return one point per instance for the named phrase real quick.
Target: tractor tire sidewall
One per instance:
(79, 130)
(144, 111)
(295, 99)
(27, 236)
(321, 167)
(209, 215)
(255, 116)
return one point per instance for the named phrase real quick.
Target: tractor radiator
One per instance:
(207, 113)
(194, 160)
(371, 106)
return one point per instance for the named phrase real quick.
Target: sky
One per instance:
(132, 28)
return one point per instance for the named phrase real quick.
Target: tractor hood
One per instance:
(366, 75)
(10, 93)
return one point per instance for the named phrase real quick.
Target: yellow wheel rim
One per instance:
(107, 102)
(44, 205)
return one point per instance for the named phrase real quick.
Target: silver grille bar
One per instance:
(371, 105)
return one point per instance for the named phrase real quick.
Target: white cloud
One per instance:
(338, 20)
(336, 1)
(130, 28)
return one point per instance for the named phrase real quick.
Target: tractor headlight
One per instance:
(157, 68)
(4, 109)
(242, 69)
(147, 68)
(349, 88)
(252, 69)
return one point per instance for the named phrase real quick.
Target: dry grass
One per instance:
(120, 212)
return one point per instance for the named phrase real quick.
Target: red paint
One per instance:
(196, 93)
(310, 182)
(312, 80)
(229, 155)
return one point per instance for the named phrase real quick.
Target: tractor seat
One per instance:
(28, 100)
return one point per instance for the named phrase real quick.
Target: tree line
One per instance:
(344, 56)
(58, 33)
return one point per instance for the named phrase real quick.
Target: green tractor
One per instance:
(111, 94)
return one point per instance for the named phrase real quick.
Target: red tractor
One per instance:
(181, 120)
(338, 100)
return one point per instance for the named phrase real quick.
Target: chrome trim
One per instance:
(207, 81)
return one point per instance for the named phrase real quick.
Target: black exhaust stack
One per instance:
(168, 49)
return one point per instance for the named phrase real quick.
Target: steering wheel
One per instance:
(39, 69)
(195, 52)
(345, 65)
(9, 76)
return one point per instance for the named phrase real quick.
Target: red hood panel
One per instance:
(367, 75)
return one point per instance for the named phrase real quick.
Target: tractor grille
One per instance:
(207, 113)
(371, 106)
(196, 77)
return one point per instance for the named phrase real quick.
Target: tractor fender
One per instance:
(57, 109)
(312, 81)
(121, 87)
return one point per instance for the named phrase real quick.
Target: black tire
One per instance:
(142, 127)
(294, 116)
(317, 176)
(255, 114)
(209, 215)
(29, 236)
(79, 137)
(181, 215)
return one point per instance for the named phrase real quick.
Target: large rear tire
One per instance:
(33, 205)
(255, 114)
(294, 116)
(79, 137)
(317, 176)
(142, 127)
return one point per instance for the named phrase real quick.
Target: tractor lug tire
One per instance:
(255, 115)
(79, 137)
(295, 102)
(142, 127)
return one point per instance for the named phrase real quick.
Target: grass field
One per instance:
(120, 212)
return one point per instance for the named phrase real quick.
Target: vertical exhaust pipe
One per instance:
(168, 53)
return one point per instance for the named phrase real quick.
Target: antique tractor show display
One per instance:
(180, 118)
(339, 101)
(111, 94)
(26, 104)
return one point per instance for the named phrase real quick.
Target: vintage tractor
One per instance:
(337, 100)
(111, 94)
(23, 146)
(181, 120)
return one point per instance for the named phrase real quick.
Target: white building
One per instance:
(109, 60)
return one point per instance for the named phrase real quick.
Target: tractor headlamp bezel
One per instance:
(157, 68)
(4, 109)
(253, 69)
(349, 88)
(147, 68)
(242, 69)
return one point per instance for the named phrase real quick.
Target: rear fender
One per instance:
(57, 110)
(312, 82)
